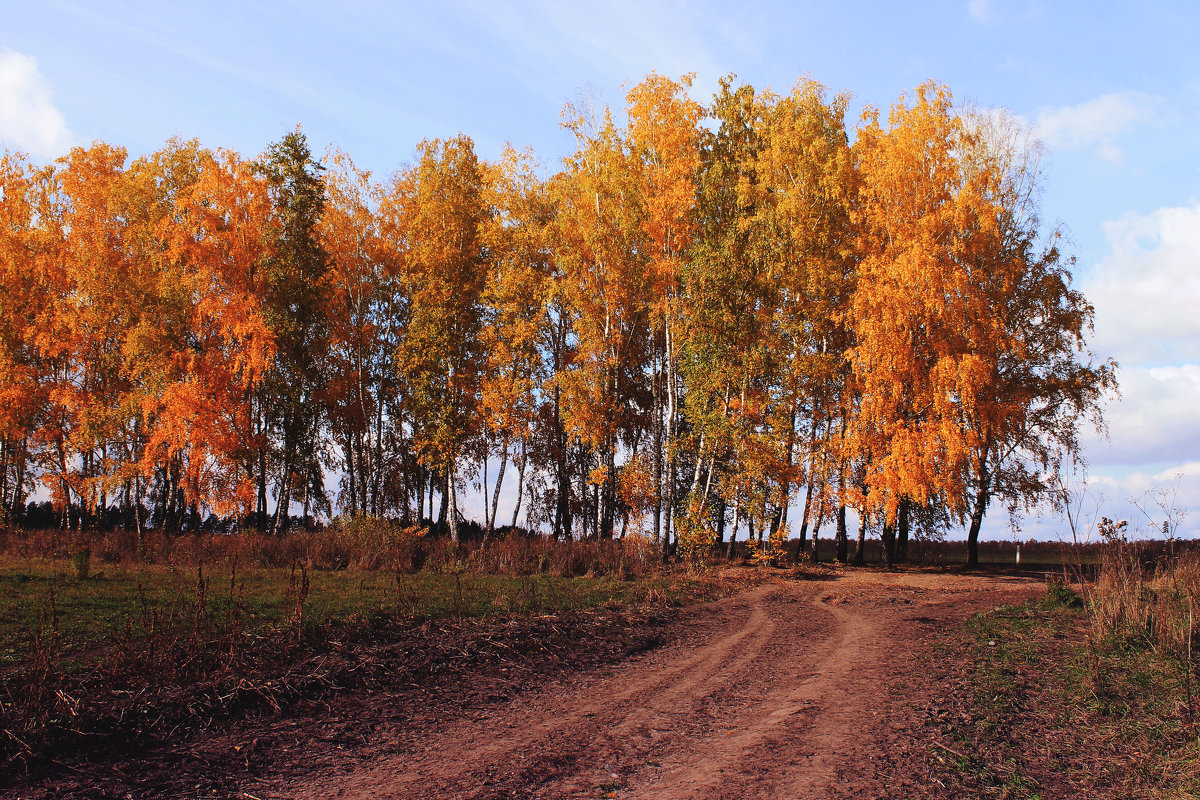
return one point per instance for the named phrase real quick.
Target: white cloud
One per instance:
(980, 10)
(1144, 499)
(1146, 291)
(1154, 422)
(28, 119)
(1097, 123)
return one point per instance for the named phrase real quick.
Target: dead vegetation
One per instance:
(234, 626)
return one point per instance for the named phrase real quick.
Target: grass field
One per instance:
(125, 602)
(230, 624)
(1049, 700)
(265, 585)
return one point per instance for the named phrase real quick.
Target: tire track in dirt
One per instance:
(805, 718)
(515, 744)
(765, 696)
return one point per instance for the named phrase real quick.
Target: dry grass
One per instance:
(222, 621)
(352, 544)
(1151, 600)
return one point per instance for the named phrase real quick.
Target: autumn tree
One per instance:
(625, 219)
(1036, 381)
(804, 182)
(23, 300)
(439, 359)
(295, 280)
(700, 311)
(723, 296)
(366, 315)
(605, 283)
(516, 333)
(968, 335)
(208, 347)
(663, 142)
(94, 280)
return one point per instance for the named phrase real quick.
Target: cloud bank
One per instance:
(1146, 292)
(29, 120)
(1147, 288)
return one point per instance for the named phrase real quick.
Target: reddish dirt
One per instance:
(794, 689)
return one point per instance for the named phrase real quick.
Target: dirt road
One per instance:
(796, 689)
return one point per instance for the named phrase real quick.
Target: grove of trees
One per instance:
(705, 317)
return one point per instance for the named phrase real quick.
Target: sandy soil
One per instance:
(795, 689)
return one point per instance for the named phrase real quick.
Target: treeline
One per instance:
(705, 315)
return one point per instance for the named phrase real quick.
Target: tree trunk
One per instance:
(443, 511)
(902, 532)
(737, 520)
(351, 473)
(377, 466)
(673, 460)
(19, 489)
(487, 509)
(520, 485)
(307, 502)
(562, 512)
(781, 514)
(860, 544)
(421, 500)
(887, 545)
(610, 494)
(804, 518)
(719, 513)
(696, 473)
(597, 503)
(453, 505)
(658, 456)
(261, 515)
(584, 510)
(815, 548)
(842, 546)
(491, 522)
(284, 505)
(431, 477)
(981, 502)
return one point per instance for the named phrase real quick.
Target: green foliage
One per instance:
(695, 535)
(295, 293)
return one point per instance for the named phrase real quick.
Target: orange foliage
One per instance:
(704, 310)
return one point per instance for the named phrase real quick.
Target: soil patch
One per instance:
(795, 688)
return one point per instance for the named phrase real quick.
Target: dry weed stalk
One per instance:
(1150, 600)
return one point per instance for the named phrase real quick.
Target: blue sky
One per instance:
(1112, 88)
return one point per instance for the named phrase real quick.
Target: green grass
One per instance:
(1047, 712)
(1005, 647)
(119, 600)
